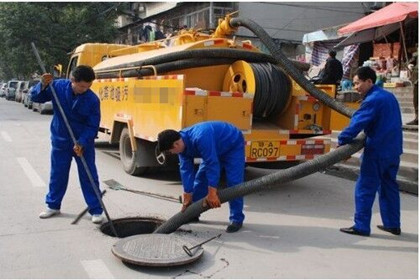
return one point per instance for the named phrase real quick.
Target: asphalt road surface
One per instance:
(291, 231)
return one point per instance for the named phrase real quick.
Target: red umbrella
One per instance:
(379, 24)
(392, 13)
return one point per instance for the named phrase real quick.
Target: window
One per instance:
(72, 65)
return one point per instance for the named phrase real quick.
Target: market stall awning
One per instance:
(325, 34)
(378, 24)
(393, 13)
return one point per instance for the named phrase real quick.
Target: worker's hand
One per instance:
(212, 199)
(186, 201)
(46, 79)
(78, 150)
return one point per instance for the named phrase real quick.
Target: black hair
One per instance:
(83, 73)
(365, 73)
(332, 53)
(166, 139)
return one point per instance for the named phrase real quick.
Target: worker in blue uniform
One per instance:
(81, 107)
(220, 145)
(379, 117)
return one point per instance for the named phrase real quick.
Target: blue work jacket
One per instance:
(82, 112)
(379, 116)
(210, 141)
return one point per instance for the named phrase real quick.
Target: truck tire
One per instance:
(130, 159)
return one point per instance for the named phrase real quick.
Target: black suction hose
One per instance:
(194, 53)
(285, 175)
(263, 183)
(289, 68)
(198, 54)
(164, 68)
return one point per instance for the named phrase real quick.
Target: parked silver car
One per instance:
(22, 85)
(26, 99)
(11, 89)
(43, 108)
(3, 89)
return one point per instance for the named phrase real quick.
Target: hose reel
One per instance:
(269, 84)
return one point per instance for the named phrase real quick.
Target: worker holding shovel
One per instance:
(81, 106)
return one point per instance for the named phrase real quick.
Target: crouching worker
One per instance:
(220, 145)
(81, 107)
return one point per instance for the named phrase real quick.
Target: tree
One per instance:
(56, 28)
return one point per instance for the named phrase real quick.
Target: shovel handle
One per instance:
(84, 212)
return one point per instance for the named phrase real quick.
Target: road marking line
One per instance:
(96, 269)
(6, 136)
(31, 173)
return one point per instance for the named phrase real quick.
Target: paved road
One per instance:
(289, 232)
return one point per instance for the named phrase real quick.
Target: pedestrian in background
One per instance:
(379, 117)
(81, 107)
(332, 72)
(220, 145)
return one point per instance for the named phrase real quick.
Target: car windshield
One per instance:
(13, 84)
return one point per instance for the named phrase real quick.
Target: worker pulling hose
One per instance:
(285, 175)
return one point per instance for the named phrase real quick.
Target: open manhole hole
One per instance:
(131, 226)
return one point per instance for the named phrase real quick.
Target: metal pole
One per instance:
(82, 158)
(403, 41)
(188, 250)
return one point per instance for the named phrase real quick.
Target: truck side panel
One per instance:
(142, 101)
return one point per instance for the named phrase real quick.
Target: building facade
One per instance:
(285, 22)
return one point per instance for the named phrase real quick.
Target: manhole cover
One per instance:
(155, 250)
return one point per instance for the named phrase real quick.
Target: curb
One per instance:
(351, 173)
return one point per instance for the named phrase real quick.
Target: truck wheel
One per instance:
(128, 158)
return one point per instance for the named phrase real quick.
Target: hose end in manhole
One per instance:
(131, 226)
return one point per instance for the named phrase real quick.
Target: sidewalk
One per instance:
(408, 173)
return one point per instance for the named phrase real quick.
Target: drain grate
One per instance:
(131, 226)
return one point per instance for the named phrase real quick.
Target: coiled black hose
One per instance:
(285, 175)
(273, 90)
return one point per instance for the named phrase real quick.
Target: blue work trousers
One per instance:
(377, 175)
(60, 167)
(234, 166)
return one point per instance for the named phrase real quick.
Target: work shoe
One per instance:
(233, 227)
(97, 218)
(352, 230)
(49, 213)
(394, 231)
